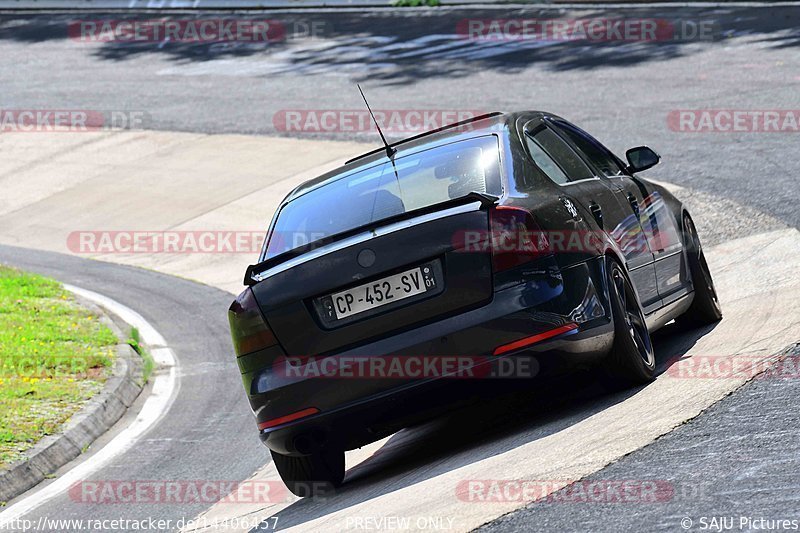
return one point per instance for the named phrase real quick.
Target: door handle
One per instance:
(597, 212)
(634, 204)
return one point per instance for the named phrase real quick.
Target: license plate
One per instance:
(380, 292)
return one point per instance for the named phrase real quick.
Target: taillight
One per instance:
(533, 339)
(516, 238)
(288, 418)
(248, 329)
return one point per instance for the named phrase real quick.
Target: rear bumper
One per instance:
(360, 422)
(356, 411)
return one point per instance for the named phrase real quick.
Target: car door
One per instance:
(604, 202)
(661, 232)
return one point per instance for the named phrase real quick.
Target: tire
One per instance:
(311, 475)
(631, 360)
(705, 308)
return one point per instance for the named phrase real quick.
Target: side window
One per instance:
(545, 162)
(592, 149)
(555, 157)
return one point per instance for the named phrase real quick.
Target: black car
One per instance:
(506, 237)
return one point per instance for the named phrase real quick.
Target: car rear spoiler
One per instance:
(486, 200)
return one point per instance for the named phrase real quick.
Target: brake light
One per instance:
(249, 331)
(533, 339)
(288, 418)
(515, 237)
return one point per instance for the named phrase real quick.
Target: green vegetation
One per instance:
(54, 356)
(416, 3)
(135, 342)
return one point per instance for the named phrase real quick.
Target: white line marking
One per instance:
(165, 389)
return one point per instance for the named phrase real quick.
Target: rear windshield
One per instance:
(414, 181)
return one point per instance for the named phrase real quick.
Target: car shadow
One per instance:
(472, 434)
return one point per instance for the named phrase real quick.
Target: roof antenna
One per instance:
(389, 150)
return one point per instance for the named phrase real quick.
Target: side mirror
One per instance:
(641, 158)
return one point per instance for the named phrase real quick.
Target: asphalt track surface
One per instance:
(414, 59)
(620, 92)
(734, 462)
(207, 433)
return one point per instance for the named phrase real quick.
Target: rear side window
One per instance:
(369, 195)
(592, 149)
(545, 162)
(569, 165)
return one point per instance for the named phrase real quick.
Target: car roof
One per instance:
(490, 123)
